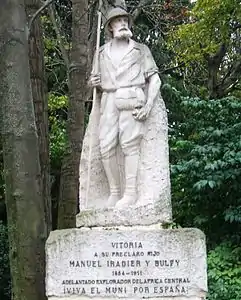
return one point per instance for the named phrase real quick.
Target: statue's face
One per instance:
(119, 27)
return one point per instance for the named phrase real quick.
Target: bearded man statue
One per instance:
(129, 164)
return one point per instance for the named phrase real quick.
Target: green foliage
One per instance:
(205, 154)
(224, 272)
(206, 166)
(207, 48)
(211, 23)
(5, 288)
(57, 106)
(56, 70)
(154, 22)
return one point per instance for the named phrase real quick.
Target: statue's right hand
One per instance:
(94, 80)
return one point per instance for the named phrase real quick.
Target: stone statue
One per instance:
(128, 126)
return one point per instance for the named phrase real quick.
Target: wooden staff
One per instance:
(96, 69)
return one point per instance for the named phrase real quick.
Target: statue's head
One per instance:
(118, 23)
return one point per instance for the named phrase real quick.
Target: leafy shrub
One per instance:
(224, 274)
(57, 107)
(206, 167)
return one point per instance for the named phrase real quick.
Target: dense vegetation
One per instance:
(197, 48)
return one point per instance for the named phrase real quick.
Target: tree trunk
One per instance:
(69, 184)
(212, 79)
(3, 214)
(25, 210)
(214, 62)
(39, 92)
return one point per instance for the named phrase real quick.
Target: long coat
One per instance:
(153, 182)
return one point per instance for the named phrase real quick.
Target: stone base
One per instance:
(102, 298)
(127, 263)
(140, 215)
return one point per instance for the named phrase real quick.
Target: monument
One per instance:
(120, 248)
(128, 136)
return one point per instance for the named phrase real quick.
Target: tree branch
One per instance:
(236, 27)
(216, 59)
(234, 77)
(137, 10)
(169, 70)
(52, 14)
(46, 3)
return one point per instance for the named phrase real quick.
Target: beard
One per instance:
(123, 34)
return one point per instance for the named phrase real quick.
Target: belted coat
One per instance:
(126, 80)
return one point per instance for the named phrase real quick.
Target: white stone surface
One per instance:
(158, 212)
(153, 180)
(110, 298)
(125, 155)
(127, 264)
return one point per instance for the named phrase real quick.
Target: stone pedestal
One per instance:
(126, 262)
(154, 213)
(124, 252)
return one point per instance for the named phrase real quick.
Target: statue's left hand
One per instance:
(141, 114)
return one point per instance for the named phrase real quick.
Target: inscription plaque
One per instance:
(127, 264)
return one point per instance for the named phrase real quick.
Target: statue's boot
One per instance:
(113, 177)
(130, 195)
